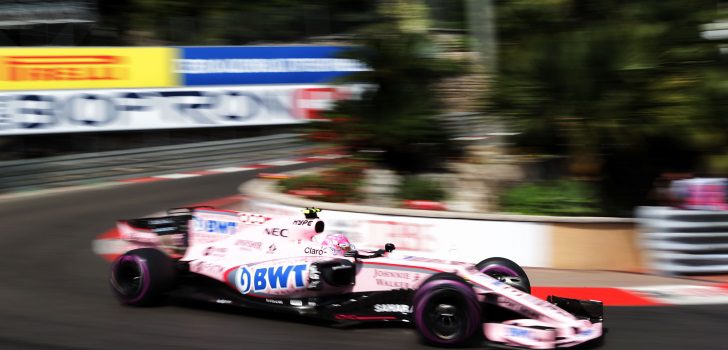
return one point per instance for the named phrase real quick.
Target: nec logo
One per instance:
(64, 68)
(280, 232)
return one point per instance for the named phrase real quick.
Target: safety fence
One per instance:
(93, 167)
(679, 241)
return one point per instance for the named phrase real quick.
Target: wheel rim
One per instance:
(128, 277)
(505, 275)
(498, 271)
(445, 316)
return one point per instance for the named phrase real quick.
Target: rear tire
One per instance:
(141, 277)
(507, 271)
(446, 311)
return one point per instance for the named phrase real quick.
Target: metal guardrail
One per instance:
(679, 241)
(87, 168)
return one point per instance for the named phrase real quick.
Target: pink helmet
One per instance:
(338, 243)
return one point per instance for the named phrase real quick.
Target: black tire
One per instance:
(506, 271)
(446, 311)
(141, 277)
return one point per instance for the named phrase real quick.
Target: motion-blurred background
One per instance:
(603, 102)
(567, 108)
(579, 135)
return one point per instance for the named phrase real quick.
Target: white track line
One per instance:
(176, 176)
(232, 169)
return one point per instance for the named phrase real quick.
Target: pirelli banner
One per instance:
(86, 68)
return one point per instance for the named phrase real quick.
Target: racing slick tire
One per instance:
(446, 311)
(141, 277)
(506, 271)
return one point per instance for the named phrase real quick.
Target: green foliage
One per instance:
(604, 81)
(308, 181)
(338, 185)
(563, 197)
(231, 22)
(418, 188)
(397, 113)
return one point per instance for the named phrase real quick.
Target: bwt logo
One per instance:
(274, 277)
(215, 226)
(63, 68)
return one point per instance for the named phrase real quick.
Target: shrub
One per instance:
(340, 184)
(562, 197)
(300, 182)
(418, 188)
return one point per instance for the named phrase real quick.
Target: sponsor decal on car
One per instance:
(244, 243)
(161, 222)
(520, 334)
(206, 268)
(303, 222)
(405, 309)
(215, 252)
(214, 226)
(140, 237)
(164, 229)
(509, 292)
(396, 279)
(278, 232)
(512, 305)
(253, 219)
(314, 251)
(270, 278)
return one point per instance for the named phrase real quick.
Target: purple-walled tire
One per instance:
(446, 311)
(506, 271)
(141, 277)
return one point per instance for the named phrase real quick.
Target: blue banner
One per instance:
(236, 65)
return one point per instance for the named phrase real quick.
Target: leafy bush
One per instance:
(300, 182)
(562, 197)
(418, 188)
(340, 184)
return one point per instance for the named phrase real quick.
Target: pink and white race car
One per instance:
(292, 265)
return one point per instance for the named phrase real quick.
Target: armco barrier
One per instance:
(88, 168)
(536, 241)
(679, 241)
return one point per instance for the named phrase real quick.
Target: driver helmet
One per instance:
(338, 244)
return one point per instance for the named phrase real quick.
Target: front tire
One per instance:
(506, 271)
(141, 277)
(446, 311)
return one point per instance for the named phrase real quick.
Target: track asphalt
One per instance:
(54, 293)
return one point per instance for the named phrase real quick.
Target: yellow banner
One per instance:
(86, 68)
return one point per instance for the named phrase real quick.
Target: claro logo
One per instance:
(64, 68)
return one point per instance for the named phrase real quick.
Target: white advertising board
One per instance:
(39, 112)
(527, 243)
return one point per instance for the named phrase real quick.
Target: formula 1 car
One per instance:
(290, 265)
